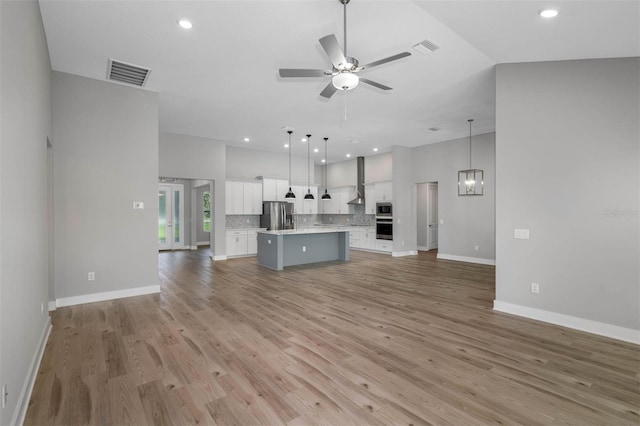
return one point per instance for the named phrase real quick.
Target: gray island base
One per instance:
(279, 249)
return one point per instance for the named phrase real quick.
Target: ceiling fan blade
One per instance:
(334, 52)
(385, 60)
(374, 84)
(328, 91)
(288, 72)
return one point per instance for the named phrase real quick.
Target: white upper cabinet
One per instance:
(339, 199)
(252, 198)
(275, 189)
(243, 198)
(383, 191)
(370, 198)
(234, 198)
(302, 206)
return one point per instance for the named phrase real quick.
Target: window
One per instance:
(206, 209)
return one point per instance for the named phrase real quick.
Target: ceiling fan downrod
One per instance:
(344, 4)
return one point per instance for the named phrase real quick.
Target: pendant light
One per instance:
(470, 181)
(290, 194)
(326, 195)
(309, 195)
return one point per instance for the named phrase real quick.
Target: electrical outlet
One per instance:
(5, 395)
(535, 288)
(476, 248)
(304, 248)
(91, 276)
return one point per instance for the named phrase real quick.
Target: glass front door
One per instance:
(170, 216)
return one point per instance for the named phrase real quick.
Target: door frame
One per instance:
(170, 209)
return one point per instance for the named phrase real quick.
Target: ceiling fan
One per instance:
(344, 70)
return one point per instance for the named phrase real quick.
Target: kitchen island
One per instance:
(278, 249)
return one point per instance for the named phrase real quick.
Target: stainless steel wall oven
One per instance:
(384, 228)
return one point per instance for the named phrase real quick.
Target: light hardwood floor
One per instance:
(374, 341)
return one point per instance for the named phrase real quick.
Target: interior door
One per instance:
(170, 216)
(432, 216)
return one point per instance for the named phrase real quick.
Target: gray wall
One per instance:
(405, 233)
(105, 157)
(25, 113)
(469, 221)
(191, 157)
(567, 159)
(377, 168)
(249, 163)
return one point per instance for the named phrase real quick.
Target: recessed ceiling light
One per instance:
(246, 139)
(186, 24)
(286, 145)
(348, 155)
(548, 13)
(303, 140)
(324, 161)
(315, 149)
(375, 149)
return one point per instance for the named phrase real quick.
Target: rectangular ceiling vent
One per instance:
(127, 73)
(426, 46)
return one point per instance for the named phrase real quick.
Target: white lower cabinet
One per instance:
(242, 242)
(384, 245)
(252, 242)
(355, 238)
(363, 238)
(369, 239)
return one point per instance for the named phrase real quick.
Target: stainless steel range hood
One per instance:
(359, 200)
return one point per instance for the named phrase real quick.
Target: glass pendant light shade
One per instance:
(345, 81)
(326, 195)
(470, 181)
(290, 193)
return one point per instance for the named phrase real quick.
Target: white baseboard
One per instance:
(203, 243)
(602, 329)
(30, 380)
(221, 257)
(52, 305)
(479, 260)
(404, 253)
(423, 248)
(109, 295)
(193, 247)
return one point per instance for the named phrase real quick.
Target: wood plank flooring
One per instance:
(375, 341)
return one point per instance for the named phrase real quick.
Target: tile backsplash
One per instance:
(242, 221)
(359, 218)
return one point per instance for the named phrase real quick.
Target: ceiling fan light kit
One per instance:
(345, 81)
(344, 68)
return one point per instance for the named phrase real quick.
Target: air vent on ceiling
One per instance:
(426, 46)
(127, 73)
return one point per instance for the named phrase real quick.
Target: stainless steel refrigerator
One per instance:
(276, 215)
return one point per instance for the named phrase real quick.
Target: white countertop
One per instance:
(317, 230)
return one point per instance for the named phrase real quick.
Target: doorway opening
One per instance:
(427, 215)
(171, 218)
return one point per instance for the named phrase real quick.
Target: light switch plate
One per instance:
(138, 205)
(521, 234)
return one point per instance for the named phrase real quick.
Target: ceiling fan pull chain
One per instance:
(345, 105)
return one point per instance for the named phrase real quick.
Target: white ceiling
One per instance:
(220, 79)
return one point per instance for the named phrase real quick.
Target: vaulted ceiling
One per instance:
(220, 79)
